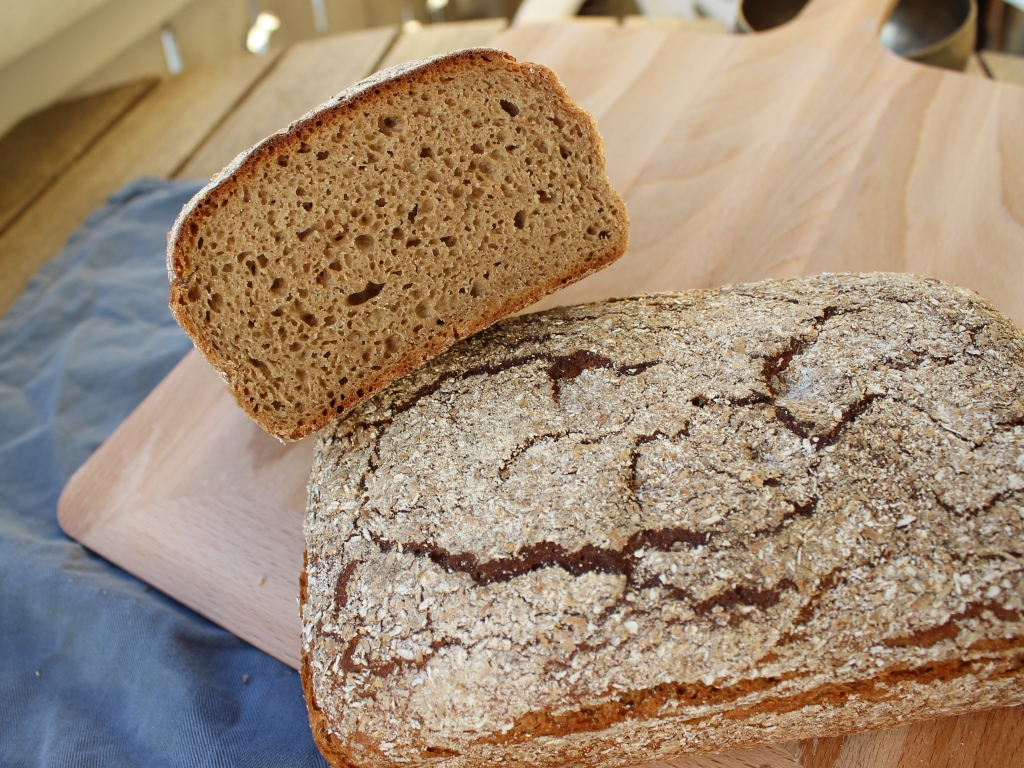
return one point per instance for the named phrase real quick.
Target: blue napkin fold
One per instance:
(96, 669)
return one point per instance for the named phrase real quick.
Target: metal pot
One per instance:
(936, 32)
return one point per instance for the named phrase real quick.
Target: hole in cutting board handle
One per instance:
(762, 15)
(936, 32)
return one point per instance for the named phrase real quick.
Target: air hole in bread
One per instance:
(371, 291)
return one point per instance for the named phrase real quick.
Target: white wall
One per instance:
(26, 23)
(64, 41)
(54, 49)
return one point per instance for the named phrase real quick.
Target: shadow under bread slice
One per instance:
(682, 523)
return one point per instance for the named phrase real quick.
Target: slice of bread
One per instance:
(412, 210)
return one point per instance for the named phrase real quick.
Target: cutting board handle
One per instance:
(860, 16)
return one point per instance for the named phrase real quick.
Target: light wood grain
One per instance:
(212, 515)
(805, 149)
(601, 66)
(152, 139)
(43, 145)
(676, 23)
(992, 739)
(765, 757)
(1004, 66)
(307, 75)
(435, 39)
(809, 147)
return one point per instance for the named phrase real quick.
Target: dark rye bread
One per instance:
(412, 210)
(692, 522)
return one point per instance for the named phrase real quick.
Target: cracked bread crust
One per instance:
(671, 524)
(410, 211)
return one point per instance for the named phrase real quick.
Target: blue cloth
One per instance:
(95, 668)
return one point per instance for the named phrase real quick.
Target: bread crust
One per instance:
(674, 524)
(329, 745)
(370, 91)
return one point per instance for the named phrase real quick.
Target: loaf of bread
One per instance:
(412, 210)
(691, 522)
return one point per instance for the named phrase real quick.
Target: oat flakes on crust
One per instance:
(624, 531)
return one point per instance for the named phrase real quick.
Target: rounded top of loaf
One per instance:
(615, 532)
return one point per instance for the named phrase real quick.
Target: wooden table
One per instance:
(192, 125)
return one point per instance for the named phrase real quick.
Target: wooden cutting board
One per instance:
(805, 149)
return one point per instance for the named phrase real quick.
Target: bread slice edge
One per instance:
(180, 267)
